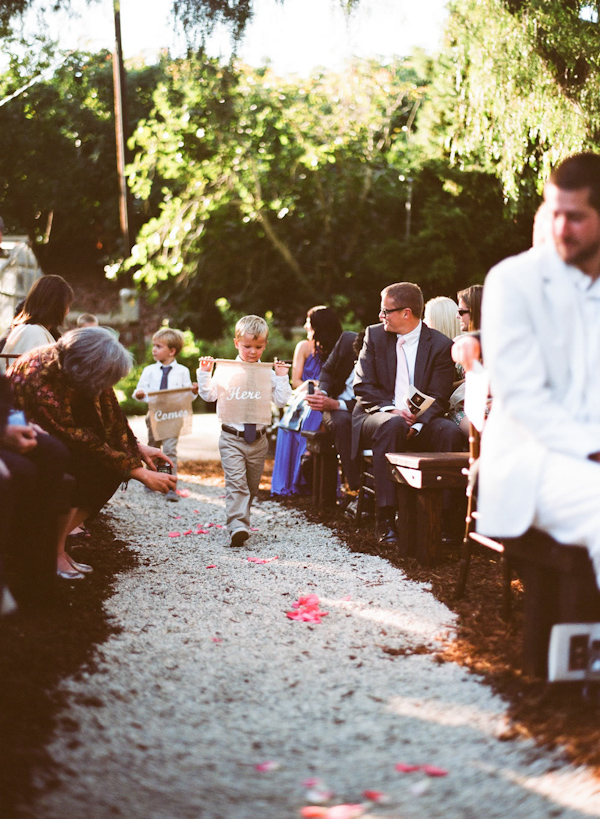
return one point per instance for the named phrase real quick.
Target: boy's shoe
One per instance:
(172, 496)
(239, 537)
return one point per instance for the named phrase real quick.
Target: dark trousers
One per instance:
(383, 432)
(34, 496)
(339, 424)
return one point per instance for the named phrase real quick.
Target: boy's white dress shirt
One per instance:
(179, 376)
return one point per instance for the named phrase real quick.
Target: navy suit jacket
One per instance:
(337, 368)
(375, 378)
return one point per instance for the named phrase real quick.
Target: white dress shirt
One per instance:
(151, 376)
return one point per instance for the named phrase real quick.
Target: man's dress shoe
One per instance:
(386, 533)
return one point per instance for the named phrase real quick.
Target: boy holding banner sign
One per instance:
(168, 389)
(243, 390)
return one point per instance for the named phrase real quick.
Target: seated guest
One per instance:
(35, 492)
(334, 397)
(323, 329)
(441, 314)
(45, 309)
(469, 308)
(66, 388)
(397, 354)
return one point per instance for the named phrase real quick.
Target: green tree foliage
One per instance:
(517, 88)
(57, 155)
(271, 192)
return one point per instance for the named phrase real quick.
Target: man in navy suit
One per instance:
(398, 353)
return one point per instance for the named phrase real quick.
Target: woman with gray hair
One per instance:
(67, 389)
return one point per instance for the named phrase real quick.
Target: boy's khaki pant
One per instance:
(243, 466)
(168, 446)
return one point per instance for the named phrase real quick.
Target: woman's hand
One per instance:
(150, 454)
(157, 481)
(19, 439)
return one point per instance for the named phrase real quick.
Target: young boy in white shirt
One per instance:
(166, 374)
(243, 462)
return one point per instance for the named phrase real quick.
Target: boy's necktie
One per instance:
(164, 381)
(250, 433)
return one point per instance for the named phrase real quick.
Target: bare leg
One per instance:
(66, 523)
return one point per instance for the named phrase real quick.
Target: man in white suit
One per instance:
(540, 453)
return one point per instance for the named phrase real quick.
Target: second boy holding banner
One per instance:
(244, 394)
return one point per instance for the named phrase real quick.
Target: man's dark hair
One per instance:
(577, 172)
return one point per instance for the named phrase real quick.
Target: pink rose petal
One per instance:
(216, 639)
(269, 765)
(174, 534)
(254, 528)
(189, 532)
(314, 812)
(202, 531)
(345, 812)
(319, 795)
(347, 597)
(183, 493)
(177, 517)
(197, 511)
(212, 566)
(312, 782)
(218, 526)
(404, 768)
(375, 796)
(431, 770)
(261, 559)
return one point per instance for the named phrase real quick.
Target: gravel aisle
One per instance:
(209, 678)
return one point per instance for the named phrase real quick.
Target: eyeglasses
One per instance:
(385, 312)
(463, 312)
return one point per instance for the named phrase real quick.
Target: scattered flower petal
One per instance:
(347, 597)
(262, 559)
(189, 532)
(202, 531)
(375, 796)
(174, 534)
(345, 812)
(177, 517)
(269, 765)
(319, 796)
(431, 770)
(307, 609)
(183, 493)
(254, 528)
(212, 566)
(197, 511)
(404, 768)
(312, 782)
(420, 787)
(216, 639)
(221, 496)
(314, 812)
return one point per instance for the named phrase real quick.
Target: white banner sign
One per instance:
(243, 392)
(170, 413)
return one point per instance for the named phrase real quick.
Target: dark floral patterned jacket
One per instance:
(41, 389)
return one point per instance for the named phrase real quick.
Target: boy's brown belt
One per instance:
(238, 434)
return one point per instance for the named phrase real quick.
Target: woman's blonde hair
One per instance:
(441, 315)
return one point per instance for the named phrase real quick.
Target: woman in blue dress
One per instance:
(323, 329)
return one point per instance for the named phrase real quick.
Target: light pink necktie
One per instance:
(402, 380)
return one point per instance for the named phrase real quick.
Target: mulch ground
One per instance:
(39, 648)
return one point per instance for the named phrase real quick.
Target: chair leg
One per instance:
(506, 587)
(465, 552)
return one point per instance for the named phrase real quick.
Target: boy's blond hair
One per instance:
(172, 338)
(254, 326)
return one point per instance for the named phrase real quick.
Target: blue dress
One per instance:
(287, 478)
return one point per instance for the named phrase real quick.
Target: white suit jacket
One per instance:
(534, 350)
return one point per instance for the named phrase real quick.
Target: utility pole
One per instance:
(120, 119)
